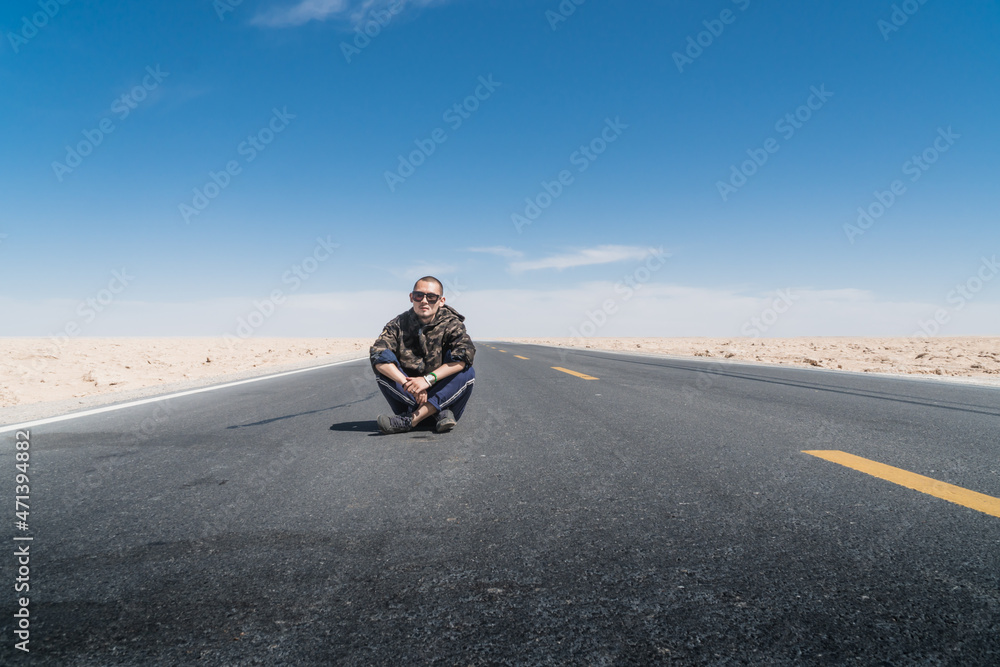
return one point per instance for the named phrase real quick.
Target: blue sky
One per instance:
(652, 114)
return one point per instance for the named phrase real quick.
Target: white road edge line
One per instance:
(154, 399)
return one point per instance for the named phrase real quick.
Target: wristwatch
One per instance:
(431, 379)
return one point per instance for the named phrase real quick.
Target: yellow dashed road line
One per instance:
(578, 374)
(943, 490)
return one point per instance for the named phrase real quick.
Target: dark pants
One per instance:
(451, 393)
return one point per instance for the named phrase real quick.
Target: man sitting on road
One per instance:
(423, 362)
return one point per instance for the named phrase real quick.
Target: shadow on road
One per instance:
(311, 412)
(368, 425)
(371, 427)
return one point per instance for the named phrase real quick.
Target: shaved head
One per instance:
(429, 279)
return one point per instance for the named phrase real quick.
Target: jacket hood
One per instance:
(442, 316)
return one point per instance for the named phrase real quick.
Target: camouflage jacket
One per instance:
(421, 348)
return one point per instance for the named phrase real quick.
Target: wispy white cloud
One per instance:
(499, 251)
(301, 12)
(604, 254)
(411, 273)
(352, 11)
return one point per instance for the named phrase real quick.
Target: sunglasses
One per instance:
(419, 296)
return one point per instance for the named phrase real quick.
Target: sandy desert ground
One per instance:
(53, 378)
(39, 376)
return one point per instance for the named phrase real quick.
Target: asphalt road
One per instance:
(663, 513)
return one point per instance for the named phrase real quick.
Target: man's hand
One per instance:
(417, 386)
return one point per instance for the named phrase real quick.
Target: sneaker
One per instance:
(444, 421)
(395, 423)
